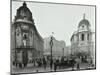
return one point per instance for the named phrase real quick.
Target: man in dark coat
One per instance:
(44, 63)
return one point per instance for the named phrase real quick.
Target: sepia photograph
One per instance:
(52, 37)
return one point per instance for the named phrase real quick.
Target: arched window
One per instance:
(24, 36)
(82, 37)
(24, 39)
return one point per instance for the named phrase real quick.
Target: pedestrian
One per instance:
(37, 62)
(40, 60)
(57, 63)
(78, 63)
(37, 71)
(55, 66)
(33, 61)
(44, 63)
(51, 64)
(20, 65)
(78, 66)
(72, 63)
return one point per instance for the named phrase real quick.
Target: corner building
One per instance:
(26, 42)
(82, 41)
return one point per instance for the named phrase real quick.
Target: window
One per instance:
(82, 26)
(18, 31)
(31, 33)
(82, 37)
(25, 36)
(88, 37)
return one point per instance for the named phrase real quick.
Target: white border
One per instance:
(5, 36)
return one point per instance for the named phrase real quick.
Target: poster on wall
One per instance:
(52, 37)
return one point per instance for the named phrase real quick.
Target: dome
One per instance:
(84, 21)
(24, 13)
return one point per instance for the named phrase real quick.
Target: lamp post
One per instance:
(51, 45)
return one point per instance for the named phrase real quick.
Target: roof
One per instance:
(84, 21)
(24, 12)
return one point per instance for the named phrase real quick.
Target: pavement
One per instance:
(31, 69)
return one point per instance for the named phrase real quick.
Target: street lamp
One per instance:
(51, 45)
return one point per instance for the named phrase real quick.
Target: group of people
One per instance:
(47, 62)
(55, 63)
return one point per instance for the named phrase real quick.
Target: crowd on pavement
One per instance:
(55, 63)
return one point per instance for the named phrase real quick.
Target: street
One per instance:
(31, 69)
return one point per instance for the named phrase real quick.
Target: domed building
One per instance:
(82, 42)
(26, 42)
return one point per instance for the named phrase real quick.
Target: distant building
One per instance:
(59, 47)
(67, 50)
(25, 38)
(82, 41)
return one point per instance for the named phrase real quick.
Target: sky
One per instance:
(62, 19)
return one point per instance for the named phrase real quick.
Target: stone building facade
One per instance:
(59, 48)
(26, 42)
(82, 41)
